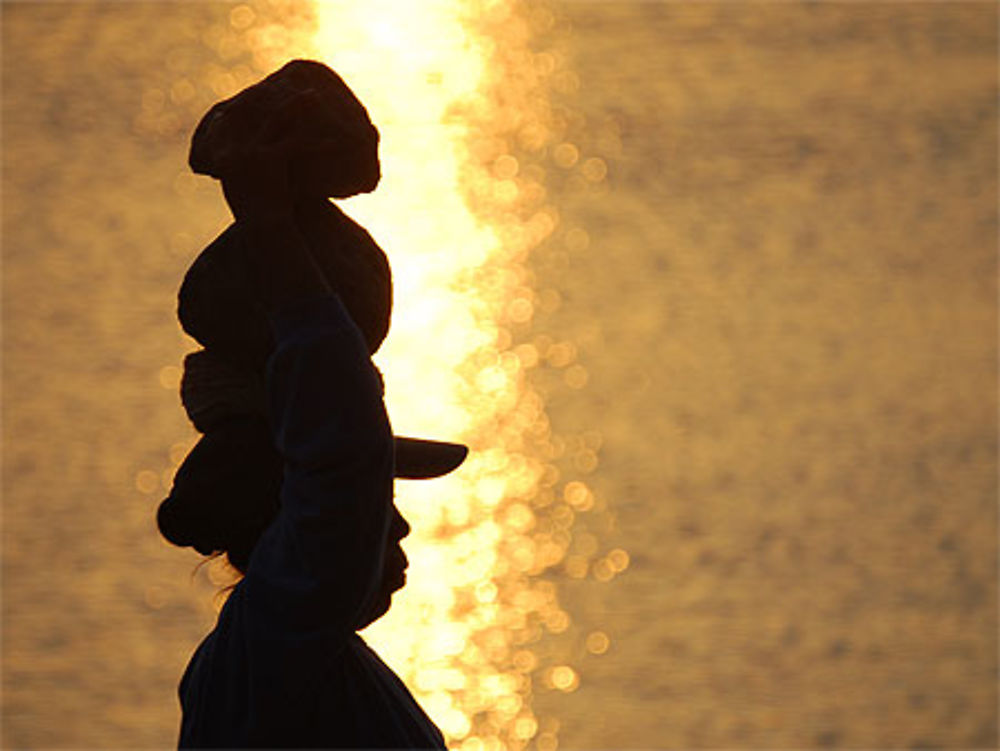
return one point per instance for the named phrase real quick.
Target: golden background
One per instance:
(709, 288)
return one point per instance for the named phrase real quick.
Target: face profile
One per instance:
(293, 477)
(393, 570)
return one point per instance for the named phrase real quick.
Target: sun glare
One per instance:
(422, 73)
(467, 136)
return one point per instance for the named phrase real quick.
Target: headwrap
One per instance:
(226, 491)
(213, 391)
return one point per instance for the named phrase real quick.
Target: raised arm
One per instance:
(315, 571)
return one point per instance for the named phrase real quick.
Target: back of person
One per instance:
(345, 699)
(293, 478)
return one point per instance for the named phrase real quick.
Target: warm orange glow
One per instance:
(461, 102)
(449, 369)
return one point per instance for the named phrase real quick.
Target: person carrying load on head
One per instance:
(293, 477)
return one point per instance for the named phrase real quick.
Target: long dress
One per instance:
(284, 666)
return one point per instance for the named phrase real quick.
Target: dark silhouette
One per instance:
(292, 479)
(332, 150)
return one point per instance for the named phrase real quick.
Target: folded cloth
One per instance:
(218, 305)
(333, 145)
(213, 391)
(225, 493)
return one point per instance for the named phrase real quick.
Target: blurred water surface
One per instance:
(751, 320)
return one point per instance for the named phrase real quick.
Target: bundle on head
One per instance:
(333, 153)
(218, 306)
(334, 146)
(226, 491)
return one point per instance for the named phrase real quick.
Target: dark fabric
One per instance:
(217, 304)
(332, 143)
(283, 667)
(225, 493)
(213, 391)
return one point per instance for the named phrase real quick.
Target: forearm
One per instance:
(325, 396)
(330, 424)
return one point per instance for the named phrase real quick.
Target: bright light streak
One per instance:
(422, 71)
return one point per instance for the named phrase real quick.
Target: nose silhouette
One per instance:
(400, 527)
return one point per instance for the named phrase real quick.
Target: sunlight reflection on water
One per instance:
(735, 237)
(462, 106)
(468, 136)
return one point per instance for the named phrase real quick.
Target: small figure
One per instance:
(292, 479)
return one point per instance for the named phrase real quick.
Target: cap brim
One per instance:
(419, 459)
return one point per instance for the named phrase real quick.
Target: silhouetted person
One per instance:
(293, 480)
